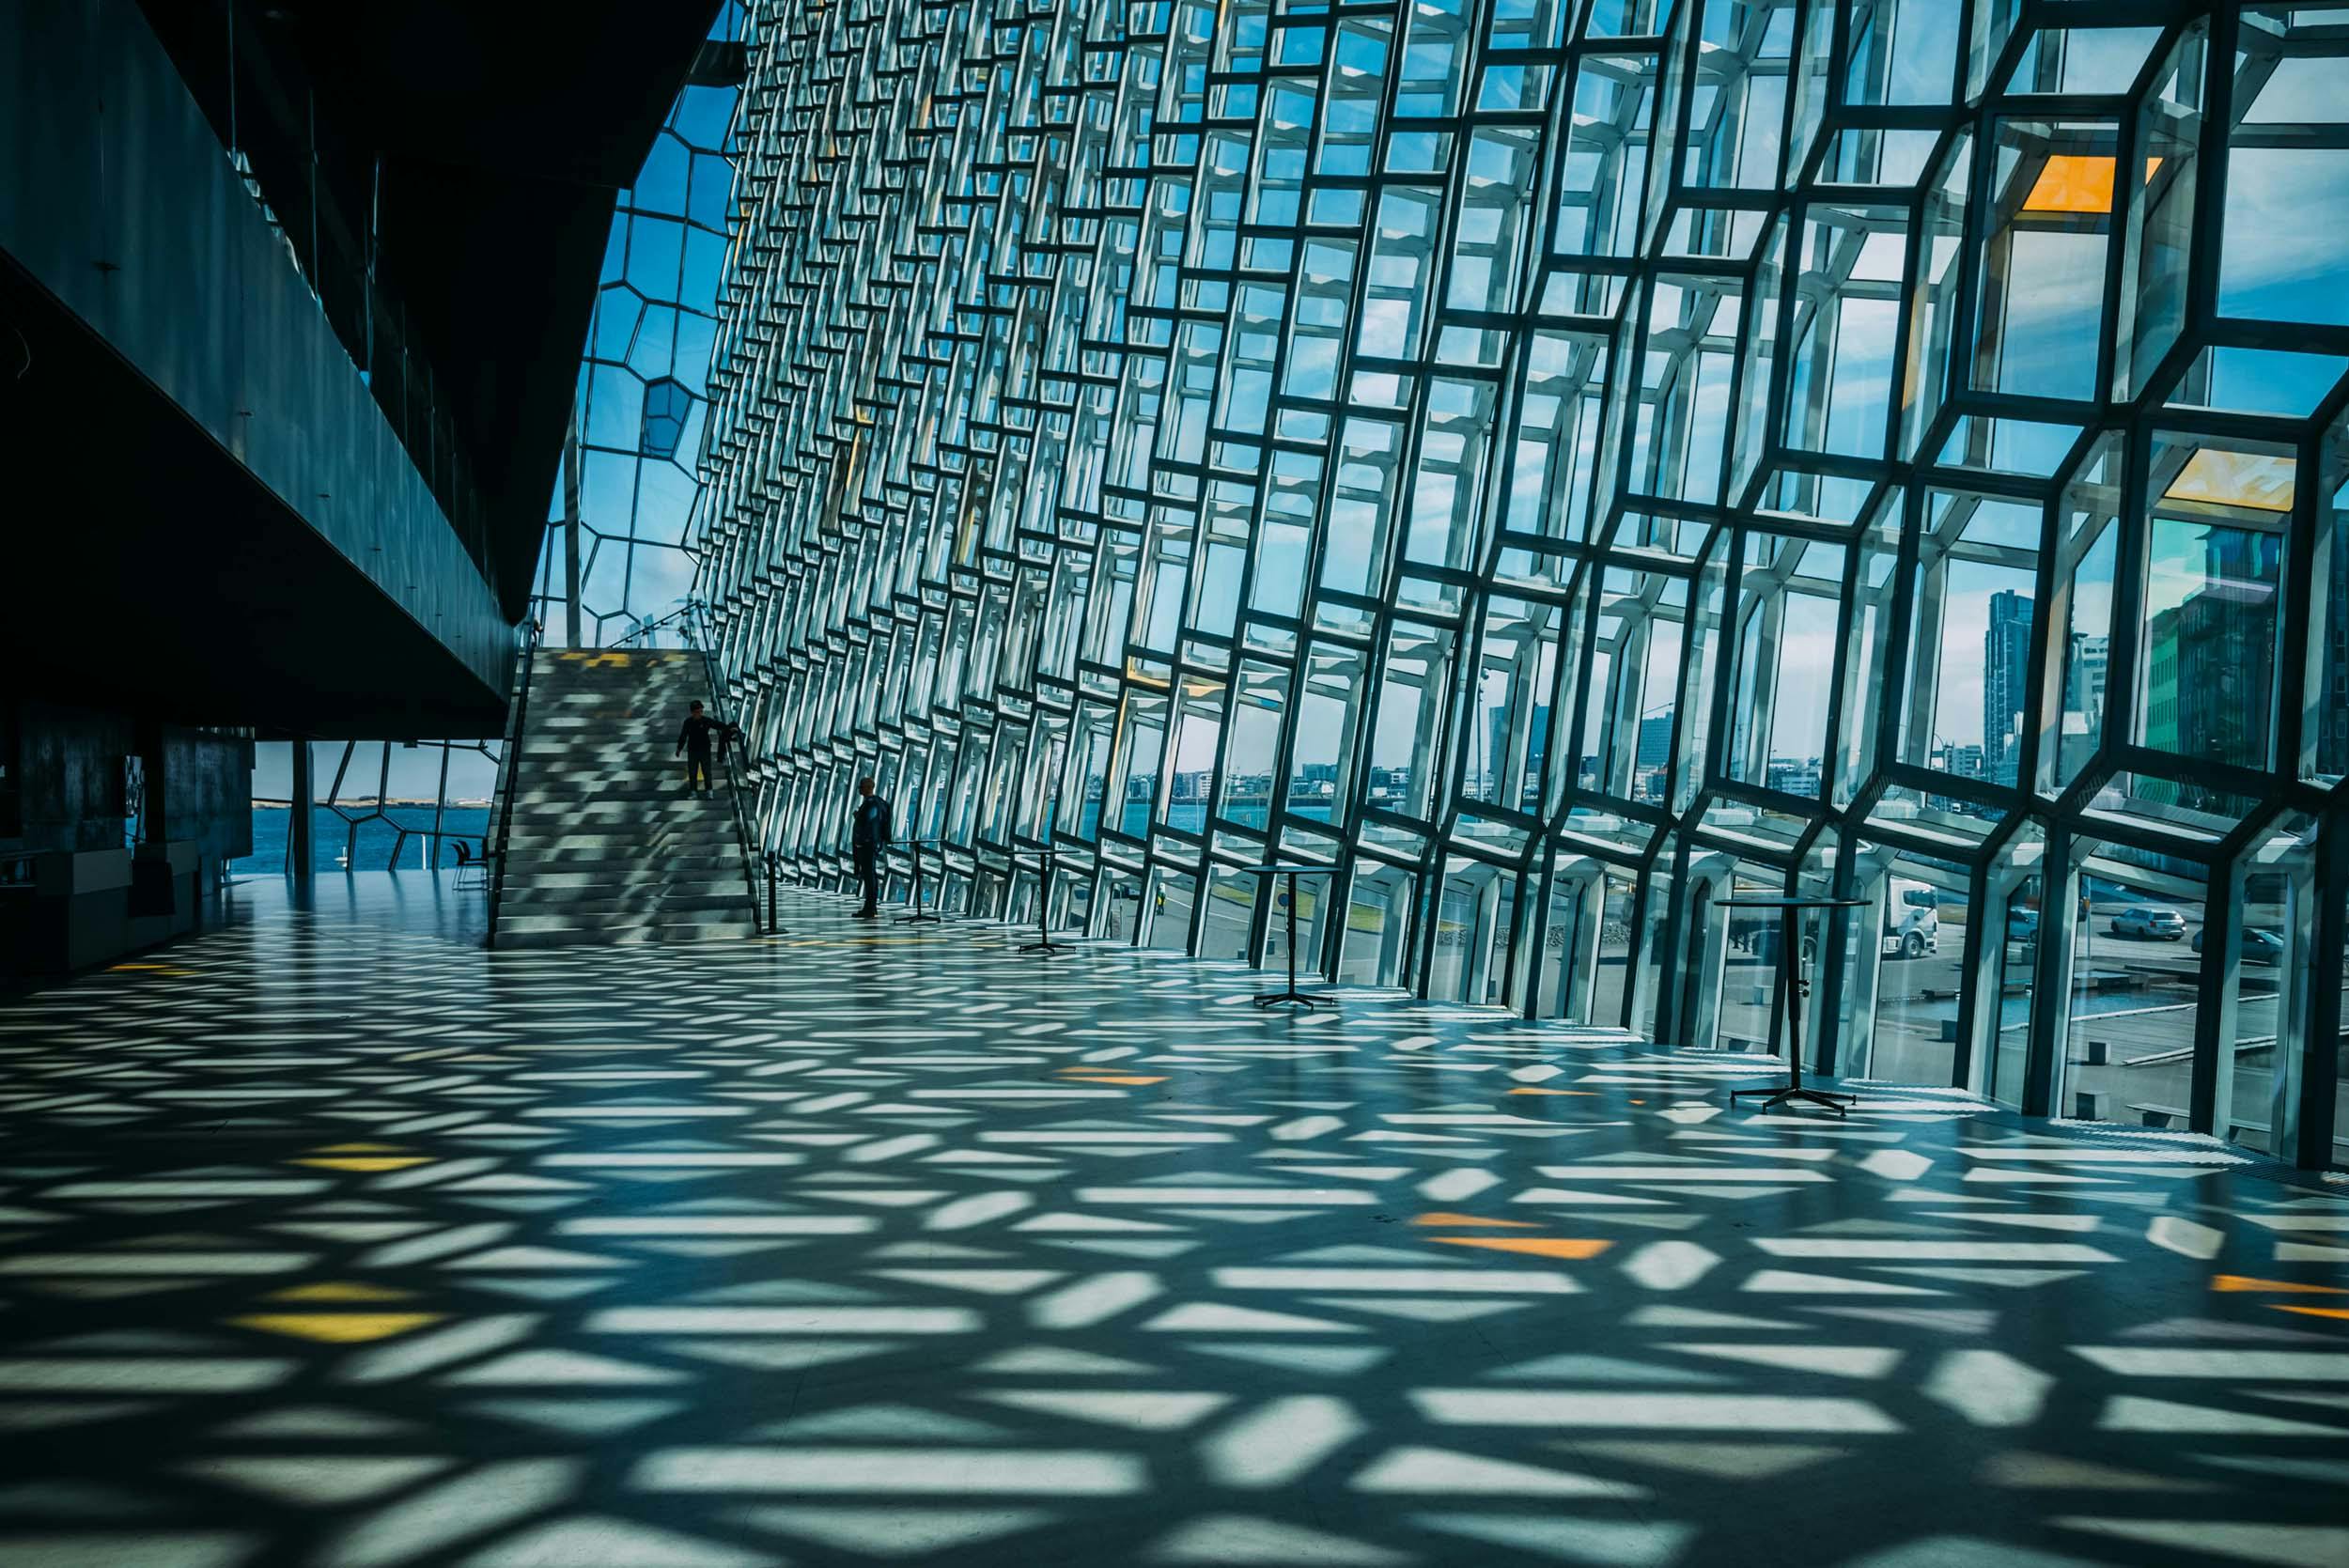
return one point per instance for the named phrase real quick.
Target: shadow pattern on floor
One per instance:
(327, 1239)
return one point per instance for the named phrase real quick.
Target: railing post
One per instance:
(694, 633)
(511, 771)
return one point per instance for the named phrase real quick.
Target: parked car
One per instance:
(2253, 946)
(1912, 920)
(2022, 925)
(2150, 921)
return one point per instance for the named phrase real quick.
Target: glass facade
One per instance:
(1559, 463)
(644, 393)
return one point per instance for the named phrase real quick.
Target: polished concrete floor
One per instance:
(328, 1238)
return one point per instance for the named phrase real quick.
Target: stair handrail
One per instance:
(509, 768)
(697, 636)
(685, 611)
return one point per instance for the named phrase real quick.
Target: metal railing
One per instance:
(509, 773)
(685, 618)
(695, 630)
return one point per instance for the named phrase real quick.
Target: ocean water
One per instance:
(339, 843)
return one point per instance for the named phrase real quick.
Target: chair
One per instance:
(472, 871)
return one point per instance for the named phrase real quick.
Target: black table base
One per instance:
(1792, 990)
(919, 913)
(1292, 996)
(1044, 946)
(1794, 1093)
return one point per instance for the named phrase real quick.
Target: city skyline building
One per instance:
(2006, 644)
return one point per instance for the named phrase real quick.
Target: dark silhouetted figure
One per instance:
(868, 838)
(694, 740)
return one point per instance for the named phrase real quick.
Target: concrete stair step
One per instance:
(589, 936)
(633, 781)
(622, 877)
(637, 848)
(626, 876)
(634, 805)
(606, 724)
(633, 676)
(616, 922)
(668, 906)
(653, 852)
(652, 758)
(605, 881)
(700, 891)
(693, 859)
(635, 826)
(586, 772)
(533, 858)
(718, 915)
(659, 755)
(663, 807)
(609, 664)
(656, 756)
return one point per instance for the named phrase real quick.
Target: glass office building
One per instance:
(1559, 463)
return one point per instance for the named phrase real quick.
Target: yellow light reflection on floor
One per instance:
(362, 1158)
(339, 1290)
(338, 1327)
(363, 1163)
(2278, 1287)
(1540, 1246)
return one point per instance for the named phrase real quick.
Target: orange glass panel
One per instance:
(2076, 182)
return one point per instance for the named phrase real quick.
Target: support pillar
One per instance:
(301, 789)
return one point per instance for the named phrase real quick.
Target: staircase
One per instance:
(605, 846)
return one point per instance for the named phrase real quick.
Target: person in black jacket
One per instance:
(868, 836)
(694, 740)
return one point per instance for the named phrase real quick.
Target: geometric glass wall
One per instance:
(644, 380)
(1558, 462)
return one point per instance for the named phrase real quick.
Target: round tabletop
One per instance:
(1790, 903)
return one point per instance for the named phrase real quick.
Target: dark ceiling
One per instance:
(488, 141)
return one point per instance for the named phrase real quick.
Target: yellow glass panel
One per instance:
(2255, 479)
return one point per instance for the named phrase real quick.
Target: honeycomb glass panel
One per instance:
(1534, 456)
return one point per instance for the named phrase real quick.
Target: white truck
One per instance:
(1912, 920)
